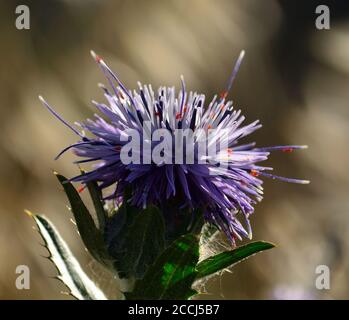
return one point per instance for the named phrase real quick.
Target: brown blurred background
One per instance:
(294, 78)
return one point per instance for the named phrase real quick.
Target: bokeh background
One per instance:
(295, 79)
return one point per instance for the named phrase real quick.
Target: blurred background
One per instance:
(295, 79)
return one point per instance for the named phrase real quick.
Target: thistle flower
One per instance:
(224, 194)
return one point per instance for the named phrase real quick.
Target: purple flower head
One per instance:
(224, 193)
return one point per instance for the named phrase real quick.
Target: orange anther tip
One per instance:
(81, 189)
(254, 173)
(224, 94)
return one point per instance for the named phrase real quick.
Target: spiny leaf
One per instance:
(139, 242)
(98, 203)
(89, 233)
(69, 270)
(227, 258)
(172, 274)
(96, 197)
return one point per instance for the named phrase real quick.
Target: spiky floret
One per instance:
(223, 193)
